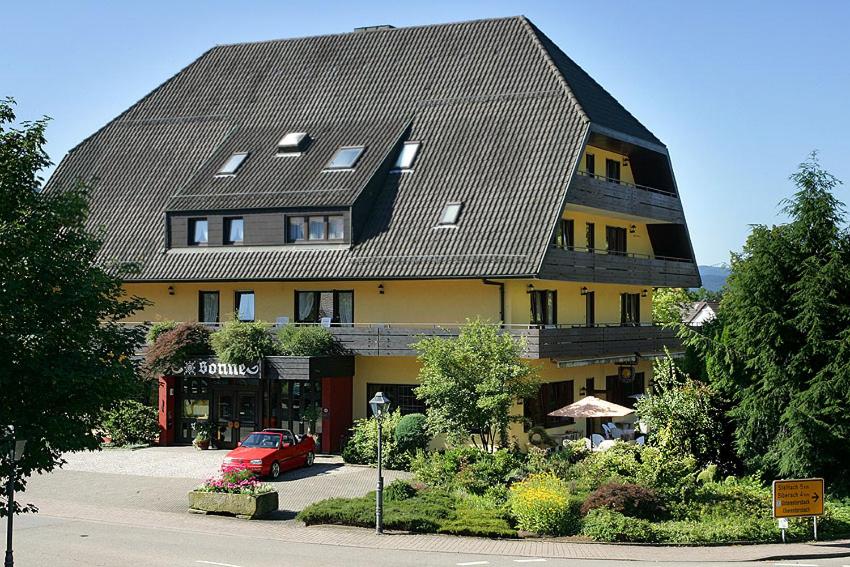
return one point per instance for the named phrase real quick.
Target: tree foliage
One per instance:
(241, 342)
(172, 348)
(668, 305)
(781, 347)
(471, 383)
(65, 357)
(683, 415)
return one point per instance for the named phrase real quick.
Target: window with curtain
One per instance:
(245, 305)
(544, 307)
(550, 397)
(590, 308)
(316, 228)
(630, 309)
(296, 229)
(234, 228)
(590, 164)
(312, 306)
(616, 240)
(612, 170)
(565, 234)
(198, 232)
(208, 306)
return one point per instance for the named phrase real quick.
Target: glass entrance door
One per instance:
(247, 416)
(301, 406)
(236, 416)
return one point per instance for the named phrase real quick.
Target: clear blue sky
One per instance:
(740, 92)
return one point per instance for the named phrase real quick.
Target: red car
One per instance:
(272, 451)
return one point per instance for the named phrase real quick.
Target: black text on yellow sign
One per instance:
(796, 498)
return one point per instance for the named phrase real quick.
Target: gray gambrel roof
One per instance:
(501, 112)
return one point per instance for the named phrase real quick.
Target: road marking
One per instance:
(529, 560)
(797, 565)
(216, 563)
(474, 563)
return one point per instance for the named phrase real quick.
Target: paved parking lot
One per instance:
(157, 479)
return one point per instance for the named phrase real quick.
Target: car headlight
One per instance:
(256, 461)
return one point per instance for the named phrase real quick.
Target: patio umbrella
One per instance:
(591, 407)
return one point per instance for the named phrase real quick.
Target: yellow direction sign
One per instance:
(801, 497)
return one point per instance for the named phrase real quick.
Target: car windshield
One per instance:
(262, 440)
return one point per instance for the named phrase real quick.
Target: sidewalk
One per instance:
(363, 538)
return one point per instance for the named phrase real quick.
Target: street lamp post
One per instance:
(380, 405)
(16, 451)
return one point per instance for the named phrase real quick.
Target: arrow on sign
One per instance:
(815, 497)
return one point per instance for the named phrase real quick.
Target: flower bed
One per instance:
(238, 492)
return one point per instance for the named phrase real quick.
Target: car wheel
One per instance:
(274, 471)
(311, 456)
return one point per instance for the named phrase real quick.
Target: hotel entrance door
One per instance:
(236, 415)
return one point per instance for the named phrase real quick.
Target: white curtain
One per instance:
(306, 299)
(236, 230)
(346, 307)
(200, 231)
(246, 307)
(210, 308)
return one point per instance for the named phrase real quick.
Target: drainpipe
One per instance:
(501, 285)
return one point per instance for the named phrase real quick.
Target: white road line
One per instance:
(474, 563)
(796, 565)
(215, 563)
(538, 560)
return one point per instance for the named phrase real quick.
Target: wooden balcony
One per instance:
(636, 200)
(598, 266)
(550, 342)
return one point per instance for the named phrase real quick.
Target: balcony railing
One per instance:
(541, 341)
(604, 266)
(599, 192)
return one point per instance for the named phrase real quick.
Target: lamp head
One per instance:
(380, 405)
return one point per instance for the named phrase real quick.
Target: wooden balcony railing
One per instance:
(601, 266)
(599, 192)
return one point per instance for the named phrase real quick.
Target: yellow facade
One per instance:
(418, 302)
(601, 155)
(637, 236)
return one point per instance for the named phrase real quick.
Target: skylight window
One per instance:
(293, 144)
(450, 214)
(406, 156)
(345, 157)
(233, 163)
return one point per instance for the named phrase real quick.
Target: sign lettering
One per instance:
(212, 368)
(796, 498)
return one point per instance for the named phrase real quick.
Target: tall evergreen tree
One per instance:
(781, 347)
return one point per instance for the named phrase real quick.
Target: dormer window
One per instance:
(316, 228)
(234, 230)
(345, 157)
(406, 156)
(293, 144)
(233, 163)
(450, 214)
(198, 235)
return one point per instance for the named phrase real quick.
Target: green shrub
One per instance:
(478, 522)
(541, 504)
(467, 468)
(159, 328)
(241, 342)
(131, 423)
(708, 474)
(538, 437)
(835, 523)
(173, 348)
(398, 490)
(745, 497)
(411, 433)
(628, 499)
(362, 446)
(603, 524)
(311, 340)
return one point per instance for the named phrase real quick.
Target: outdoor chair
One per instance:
(615, 432)
(596, 440)
(641, 440)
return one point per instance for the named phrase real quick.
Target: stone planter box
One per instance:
(245, 506)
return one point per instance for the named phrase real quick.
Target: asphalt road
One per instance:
(42, 541)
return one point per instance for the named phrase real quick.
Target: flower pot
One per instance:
(202, 444)
(246, 506)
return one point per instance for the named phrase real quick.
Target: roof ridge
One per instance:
(375, 31)
(538, 33)
(532, 30)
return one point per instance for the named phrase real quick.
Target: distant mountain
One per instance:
(713, 277)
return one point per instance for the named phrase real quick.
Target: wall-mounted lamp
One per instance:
(381, 289)
(643, 293)
(171, 290)
(632, 229)
(529, 288)
(584, 290)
